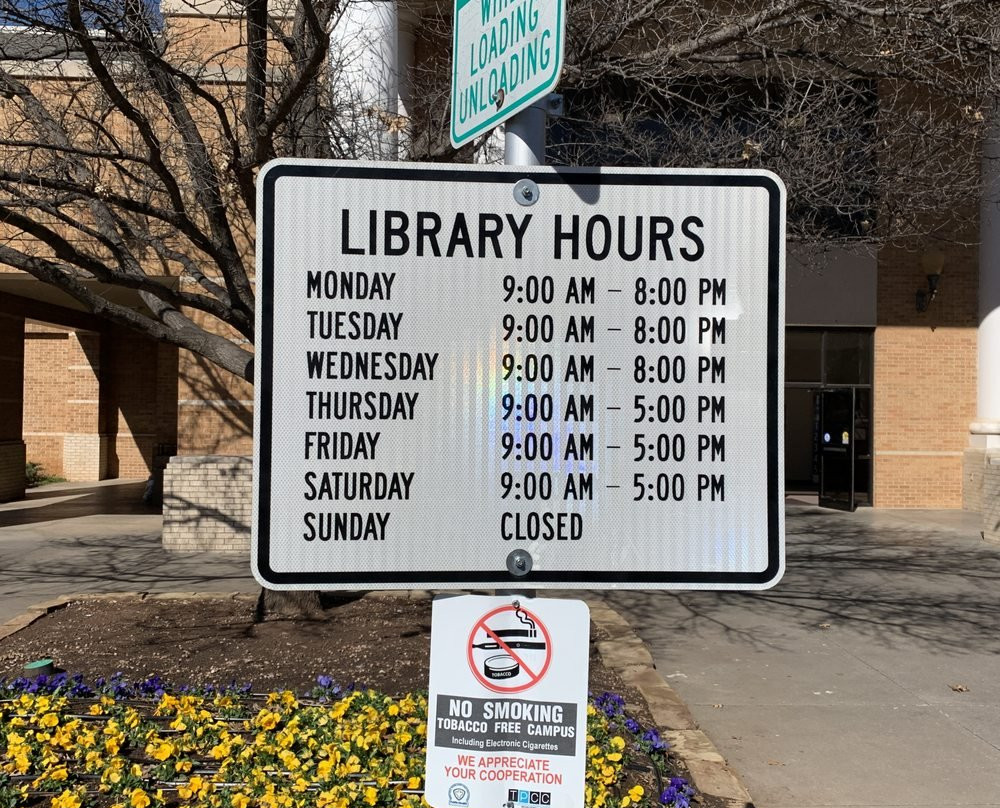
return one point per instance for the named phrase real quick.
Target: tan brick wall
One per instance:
(98, 405)
(46, 391)
(924, 395)
(85, 456)
(139, 400)
(215, 409)
(207, 504)
(62, 402)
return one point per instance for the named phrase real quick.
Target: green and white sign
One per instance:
(506, 55)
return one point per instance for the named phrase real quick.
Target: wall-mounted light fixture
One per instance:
(932, 263)
(925, 296)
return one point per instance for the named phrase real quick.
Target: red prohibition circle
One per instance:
(535, 677)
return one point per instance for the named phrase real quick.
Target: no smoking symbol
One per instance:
(509, 649)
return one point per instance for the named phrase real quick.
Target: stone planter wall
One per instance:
(207, 504)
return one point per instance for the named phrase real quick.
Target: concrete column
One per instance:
(984, 432)
(366, 78)
(12, 454)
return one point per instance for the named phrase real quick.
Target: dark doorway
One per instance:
(828, 376)
(836, 453)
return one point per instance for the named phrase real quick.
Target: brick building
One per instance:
(911, 381)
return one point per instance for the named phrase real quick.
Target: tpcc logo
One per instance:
(521, 797)
(458, 795)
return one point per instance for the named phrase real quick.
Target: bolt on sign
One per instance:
(506, 55)
(507, 702)
(496, 376)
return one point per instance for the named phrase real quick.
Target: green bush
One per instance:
(34, 475)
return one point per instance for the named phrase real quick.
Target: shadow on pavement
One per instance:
(72, 502)
(120, 562)
(882, 578)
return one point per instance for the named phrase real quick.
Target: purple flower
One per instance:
(324, 681)
(611, 704)
(678, 794)
(632, 725)
(652, 737)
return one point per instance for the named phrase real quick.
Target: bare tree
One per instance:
(130, 146)
(130, 152)
(872, 113)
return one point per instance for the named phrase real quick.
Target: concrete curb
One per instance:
(623, 653)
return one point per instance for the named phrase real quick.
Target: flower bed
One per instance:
(68, 745)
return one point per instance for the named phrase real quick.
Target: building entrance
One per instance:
(828, 410)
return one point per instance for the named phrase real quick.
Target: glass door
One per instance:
(837, 449)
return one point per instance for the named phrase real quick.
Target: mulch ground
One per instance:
(382, 643)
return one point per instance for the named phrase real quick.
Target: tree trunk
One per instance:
(288, 605)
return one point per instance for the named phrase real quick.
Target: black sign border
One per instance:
(645, 579)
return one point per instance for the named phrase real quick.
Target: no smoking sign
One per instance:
(509, 649)
(507, 712)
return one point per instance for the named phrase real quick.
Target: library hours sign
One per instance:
(483, 376)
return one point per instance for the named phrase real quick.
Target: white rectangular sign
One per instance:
(460, 370)
(507, 54)
(507, 702)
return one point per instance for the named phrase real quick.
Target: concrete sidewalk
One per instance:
(98, 537)
(870, 676)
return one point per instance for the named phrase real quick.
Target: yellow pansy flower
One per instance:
(139, 799)
(21, 762)
(196, 787)
(287, 757)
(66, 800)
(160, 749)
(220, 750)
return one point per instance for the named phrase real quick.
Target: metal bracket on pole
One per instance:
(554, 105)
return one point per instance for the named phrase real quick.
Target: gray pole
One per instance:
(524, 137)
(524, 145)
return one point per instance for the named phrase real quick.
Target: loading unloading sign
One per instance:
(507, 702)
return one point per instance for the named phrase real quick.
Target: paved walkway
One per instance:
(98, 537)
(869, 677)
